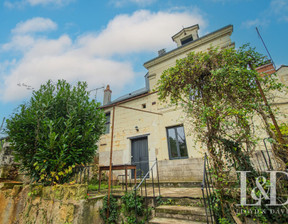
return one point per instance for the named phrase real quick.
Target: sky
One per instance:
(107, 42)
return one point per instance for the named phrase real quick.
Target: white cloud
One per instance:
(18, 43)
(36, 24)
(277, 11)
(121, 3)
(60, 59)
(141, 31)
(280, 9)
(89, 57)
(47, 2)
(255, 23)
(19, 4)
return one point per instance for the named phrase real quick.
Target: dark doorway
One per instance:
(139, 156)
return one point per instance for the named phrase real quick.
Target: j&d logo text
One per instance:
(259, 193)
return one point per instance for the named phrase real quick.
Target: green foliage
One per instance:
(113, 210)
(55, 131)
(283, 129)
(218, 91)
(94, 187)
(161, 201)
(129, 204)
(224, 221)
(127, 209)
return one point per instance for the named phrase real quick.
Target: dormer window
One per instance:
(186, 40)
(186, 35)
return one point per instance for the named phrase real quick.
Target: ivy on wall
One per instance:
(218, 91)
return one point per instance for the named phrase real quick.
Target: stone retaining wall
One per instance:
(54, 205)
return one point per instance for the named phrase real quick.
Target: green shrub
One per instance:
(113, 210)
(55, 131)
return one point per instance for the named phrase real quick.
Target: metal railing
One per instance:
(145, 193)
(81, 174)
(264, 160)
(207, 191)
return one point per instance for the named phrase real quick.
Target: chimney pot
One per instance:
(107, 95)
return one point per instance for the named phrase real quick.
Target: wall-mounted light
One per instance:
(136, 127)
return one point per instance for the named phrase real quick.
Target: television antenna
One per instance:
(96, 90)
(265, 47)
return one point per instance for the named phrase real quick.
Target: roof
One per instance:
(194, 41)
(133, 94)
(186, 28)
(282, 66)
(144, 91)
(130, 95)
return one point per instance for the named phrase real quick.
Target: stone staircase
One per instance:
(181, 202)
(185, 206)
(179, 214)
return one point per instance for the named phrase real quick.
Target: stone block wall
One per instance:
(181, 169)
(57, 204)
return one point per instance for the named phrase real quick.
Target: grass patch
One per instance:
(93, 187)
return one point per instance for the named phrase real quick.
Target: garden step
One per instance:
(184, 201)
(168, 184)
(157, 220)
(195, 192)
(181, 212)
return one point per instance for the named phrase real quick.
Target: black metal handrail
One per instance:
(207, 191)
(143, 181)
(264, 160)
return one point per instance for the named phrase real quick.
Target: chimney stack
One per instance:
(107, 95)
(162, 52)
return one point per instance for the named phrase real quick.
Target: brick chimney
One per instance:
(107, 95)
(266, 69)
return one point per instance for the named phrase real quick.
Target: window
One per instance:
(186, 40)
(177, 143)
(107, 124)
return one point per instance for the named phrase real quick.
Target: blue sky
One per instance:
(107, 42)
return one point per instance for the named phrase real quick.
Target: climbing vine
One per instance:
(113, 209)
(218, 91)
(128, 210)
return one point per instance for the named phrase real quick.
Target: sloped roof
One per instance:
(172, 52)
(133, 94)
(186, 28)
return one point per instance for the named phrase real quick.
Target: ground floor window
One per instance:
(177, 143)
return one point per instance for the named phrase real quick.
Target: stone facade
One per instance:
(131, 124)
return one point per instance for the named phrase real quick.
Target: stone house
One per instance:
(145, 129)
(161, 131)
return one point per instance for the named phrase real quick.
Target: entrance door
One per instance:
(139, 156)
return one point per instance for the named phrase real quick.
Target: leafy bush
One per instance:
(56, 130)
(113, 210)
(126, 210)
